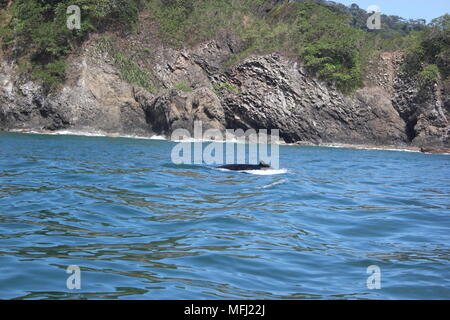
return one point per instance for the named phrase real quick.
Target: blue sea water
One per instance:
(140, 227)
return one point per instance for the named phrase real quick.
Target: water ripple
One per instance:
(141, 227)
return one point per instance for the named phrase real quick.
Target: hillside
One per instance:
(309, 68)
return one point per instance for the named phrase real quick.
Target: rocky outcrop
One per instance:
(93, 99)
(262, 92)
(179, 110)
(435, 150)
(275, 92)
(422, 109)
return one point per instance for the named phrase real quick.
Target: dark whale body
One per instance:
(246, 167)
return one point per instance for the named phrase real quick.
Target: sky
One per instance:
(410, 9)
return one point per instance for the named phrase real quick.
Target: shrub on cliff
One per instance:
(319, 34)
(329, 45)
(328, 38)
(429, 75)
(39, 39)
(428, 56)
(129, 71)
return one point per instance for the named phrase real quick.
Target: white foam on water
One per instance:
(88, 134)
(337, 146)
(76, 133)
(99, 133)
(192, 140)
(268, 172)
(234, 140)
(160, 137)
(440, 154)
(156, 137)
(274, 184)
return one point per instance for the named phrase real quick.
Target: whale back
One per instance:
(242, 167)
(262, 164)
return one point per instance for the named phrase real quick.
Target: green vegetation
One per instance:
(221, 87)
(329, 45)
(189, 21)
(319, 34)
(183, 86)
(332, 40)
(129, 71)
(40, 40)
(132, 73)
(5, 17)
(392, 25)
(428, 56)
(429, 75)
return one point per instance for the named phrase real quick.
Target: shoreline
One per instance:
(372, 147)
(100, 133)
(95, 134)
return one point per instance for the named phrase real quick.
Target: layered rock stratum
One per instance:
(272, 91)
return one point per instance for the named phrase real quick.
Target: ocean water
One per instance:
(140, 227)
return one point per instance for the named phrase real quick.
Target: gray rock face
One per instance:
(426, 118)
(262, 92)
(179, 110)
(93, 99)
(277, 93)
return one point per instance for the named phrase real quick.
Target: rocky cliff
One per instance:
(270, 91)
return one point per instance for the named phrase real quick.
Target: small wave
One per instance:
(440, 154)
(361, 147)
(88, 134)
(234, 139)
(181, 166)
(62, 133)
(273, 184)
(156, 137)
(267, 172)
(193, 140)
(99, 133)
